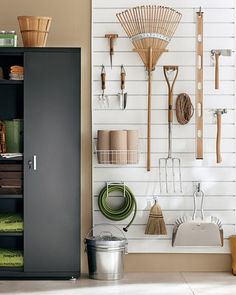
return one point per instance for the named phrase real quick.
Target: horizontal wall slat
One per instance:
(187, 160)
(175, 203)
(178, 58)
(169, 3)
(134, 102)
(188, 174)
(160, 88)
(176, 44)
(183, 30)
(137, 232)
(188, 145)
(226, 216)
(179, 131)
(164, 246)
(158, 117)
(139, 74)
(188, 15)
(142, 188)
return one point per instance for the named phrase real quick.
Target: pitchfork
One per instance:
(171, 73)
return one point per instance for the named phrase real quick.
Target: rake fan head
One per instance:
(150, 27)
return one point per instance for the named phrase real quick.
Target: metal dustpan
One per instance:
(198, 232)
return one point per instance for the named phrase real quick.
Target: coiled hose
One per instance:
(184, 108)
(128, 206)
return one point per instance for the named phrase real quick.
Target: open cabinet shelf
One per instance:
(11, 82)
(17, 196)
(10, 269)
(11, 234)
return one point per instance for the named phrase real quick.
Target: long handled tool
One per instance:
(111, 38)
(199, 87)
(122, 95)
(219, 113)
(217, 53)
(150, 28)
(198, 232)
(170, 162)
(103, 98)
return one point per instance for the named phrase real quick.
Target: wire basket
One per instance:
(117, 157)
(34, 30)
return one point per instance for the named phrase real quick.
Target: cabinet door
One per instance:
(51, 161)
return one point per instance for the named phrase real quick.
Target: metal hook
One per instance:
(123, 70)
(200, 11)
(103, 70)
(155, 198)
(116, 183)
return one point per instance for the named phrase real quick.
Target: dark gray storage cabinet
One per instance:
(48, 100)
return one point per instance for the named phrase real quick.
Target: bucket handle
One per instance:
(104, 233)
(109, 232)
(126, 249)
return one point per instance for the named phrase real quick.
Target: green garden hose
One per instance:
(129, 205)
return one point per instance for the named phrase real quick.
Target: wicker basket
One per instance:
(34, 30)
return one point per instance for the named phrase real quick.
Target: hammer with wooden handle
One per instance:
(219, 113)
(217, 53)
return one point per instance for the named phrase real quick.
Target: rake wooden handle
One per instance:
(217, 71)
(149, 111)
(218, 138)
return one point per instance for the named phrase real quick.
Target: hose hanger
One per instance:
(126, 208)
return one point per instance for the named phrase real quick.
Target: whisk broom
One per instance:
(150, 28)
(156, 224)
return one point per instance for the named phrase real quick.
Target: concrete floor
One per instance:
(184, 283)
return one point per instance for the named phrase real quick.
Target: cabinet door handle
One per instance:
(34, 162)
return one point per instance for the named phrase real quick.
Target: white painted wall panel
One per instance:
(218, 180)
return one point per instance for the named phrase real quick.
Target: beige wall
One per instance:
(71, 27)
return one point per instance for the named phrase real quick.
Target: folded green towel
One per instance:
(11, 223)
(11, 258)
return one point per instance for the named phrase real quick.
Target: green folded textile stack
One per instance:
(11, 258)
(11, 223)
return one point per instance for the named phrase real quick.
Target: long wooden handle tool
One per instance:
(216, 53)
(219, 114)
(199, 87)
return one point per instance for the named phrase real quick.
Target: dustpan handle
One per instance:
(202, 204)
(194, 205)
(201, 193)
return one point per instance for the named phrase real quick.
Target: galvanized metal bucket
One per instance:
(105, 254)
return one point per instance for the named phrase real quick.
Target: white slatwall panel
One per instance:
(218, 180)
